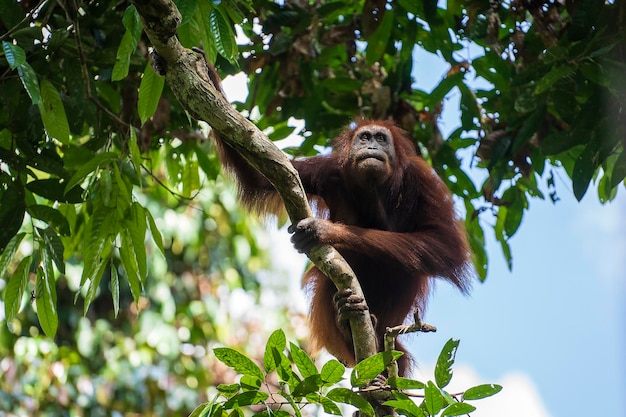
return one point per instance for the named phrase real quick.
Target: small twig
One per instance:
(392, 332)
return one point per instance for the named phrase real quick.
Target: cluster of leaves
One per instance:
(300, 384)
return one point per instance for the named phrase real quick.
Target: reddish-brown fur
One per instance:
(395, 239)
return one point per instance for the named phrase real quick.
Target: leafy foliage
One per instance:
(299, 385)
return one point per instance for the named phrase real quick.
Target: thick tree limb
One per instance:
(187, 75)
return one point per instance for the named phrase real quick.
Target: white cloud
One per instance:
(519, 396)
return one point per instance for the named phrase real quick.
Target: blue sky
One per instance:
(559, 318)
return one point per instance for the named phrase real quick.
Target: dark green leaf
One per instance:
(30, 81)
(12, 212)
(122, 61)
(9, 251)
(377, 41)
(584, 168)
(88, 168)
(14, 291)
(46, 299)
(54, 189)
(481, 391)
(187, 8)
(238, 362)
(53, 113)
(129, 262)
(222, 33)
(54, 248)
(51, 216)
(552, 77)
(443, 368)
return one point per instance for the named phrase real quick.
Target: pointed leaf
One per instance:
(481, 391)
(222, 33)
(332, 372)
(347, 396)
(150, 91)
(115, 290)
(54, 248)
(53, 113)
(154, 231)
(15, 288)
(46, 299)
(238, 362)
(278, 341)
(303, 362)
(30, 82)
(458, 409)
(9, 251)
(443, 368)
(89, 167)
(51, 216)
(14, 54)
(433, 399)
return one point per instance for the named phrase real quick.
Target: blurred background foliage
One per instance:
(124, 256)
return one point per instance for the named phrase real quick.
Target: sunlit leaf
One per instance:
(443, 368)
(150, 91)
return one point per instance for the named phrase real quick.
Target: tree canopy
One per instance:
(97, 154)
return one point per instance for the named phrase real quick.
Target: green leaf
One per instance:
(150, 91)
(238, 362)
(228, 390)
(278, 341)
(46, 299)
(368, 369)
(245, 399)
(187, 8)
(115, 290)
(552, 77)
(433, 399)
(54, 248)
(14, 54)
(89, 167)
(51, 216)
(329, 405)
(481, 391)
(122, 60)
(15, 288)
(154, 231)
(129, 262)
(304, 364)
(53, 113)
(132, 23)
(12, 211)
(404, 405)
(584, 168)
(136, 227)
(458, 409)
(9, 251)
(405, 383)
(377, 41)
(30, 82)
(308, 385)
(54, 189)
(347, 396)
(250, 383)
(443, 368)
(133, 150)
(94, 284)
(332, 372)
(222, 33)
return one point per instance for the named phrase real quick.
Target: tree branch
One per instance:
(188, 77)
